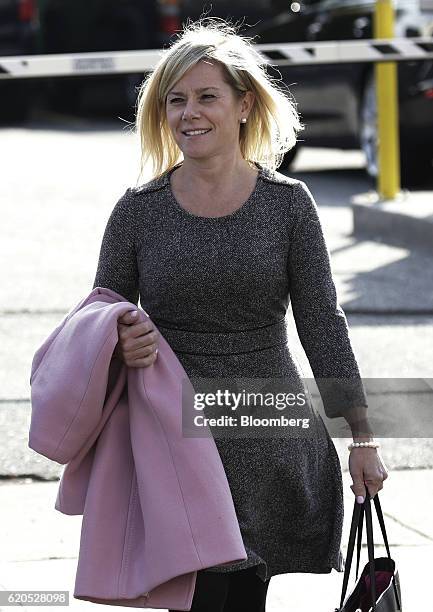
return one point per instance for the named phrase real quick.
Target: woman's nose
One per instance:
(191, 111)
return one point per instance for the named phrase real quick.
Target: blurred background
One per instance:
(336, 101)
(67, 154)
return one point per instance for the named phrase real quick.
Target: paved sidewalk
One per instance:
(40, 545)
(406, 220)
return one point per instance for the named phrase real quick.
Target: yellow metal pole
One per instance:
(387, 107)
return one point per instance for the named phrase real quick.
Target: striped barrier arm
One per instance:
(284, 54)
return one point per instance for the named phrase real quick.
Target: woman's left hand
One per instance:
(366, 468)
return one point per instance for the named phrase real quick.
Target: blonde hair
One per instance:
(272, 124)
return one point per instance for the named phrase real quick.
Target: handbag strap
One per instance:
(381, 523)
(359, 539)
(370, 547)
(356, 529)
(385, 539)
(353, 529)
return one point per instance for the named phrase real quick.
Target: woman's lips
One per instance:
(196, 135)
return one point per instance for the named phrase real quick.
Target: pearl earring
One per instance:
(243, 120)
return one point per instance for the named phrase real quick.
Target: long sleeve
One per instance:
(117, 266)
(320, 321)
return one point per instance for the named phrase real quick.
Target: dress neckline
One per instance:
(237, 212)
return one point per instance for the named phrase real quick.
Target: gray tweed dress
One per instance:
(218, 289)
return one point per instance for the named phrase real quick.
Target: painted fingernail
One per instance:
(360, 499)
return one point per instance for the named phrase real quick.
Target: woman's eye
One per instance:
(176, 100)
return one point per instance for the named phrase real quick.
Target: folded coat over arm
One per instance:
(156, 504)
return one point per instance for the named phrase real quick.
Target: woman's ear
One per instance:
(247, 102)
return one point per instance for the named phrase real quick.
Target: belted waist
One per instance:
(230, 342)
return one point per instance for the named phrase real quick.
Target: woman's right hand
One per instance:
(137, 346)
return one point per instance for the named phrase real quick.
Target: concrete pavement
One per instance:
(40, 545)
(406, 220)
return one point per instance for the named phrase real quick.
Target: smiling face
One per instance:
(204, 112)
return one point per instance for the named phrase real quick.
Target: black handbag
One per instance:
(378, 587)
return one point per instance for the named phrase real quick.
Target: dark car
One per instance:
(19, 35)
(337, 101)
(77, 26)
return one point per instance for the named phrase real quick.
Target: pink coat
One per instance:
(156, 505)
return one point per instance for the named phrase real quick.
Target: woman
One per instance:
(215, 246)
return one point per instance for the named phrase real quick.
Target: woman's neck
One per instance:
(213, 175)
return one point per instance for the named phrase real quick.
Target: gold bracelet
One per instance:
(370, 444)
